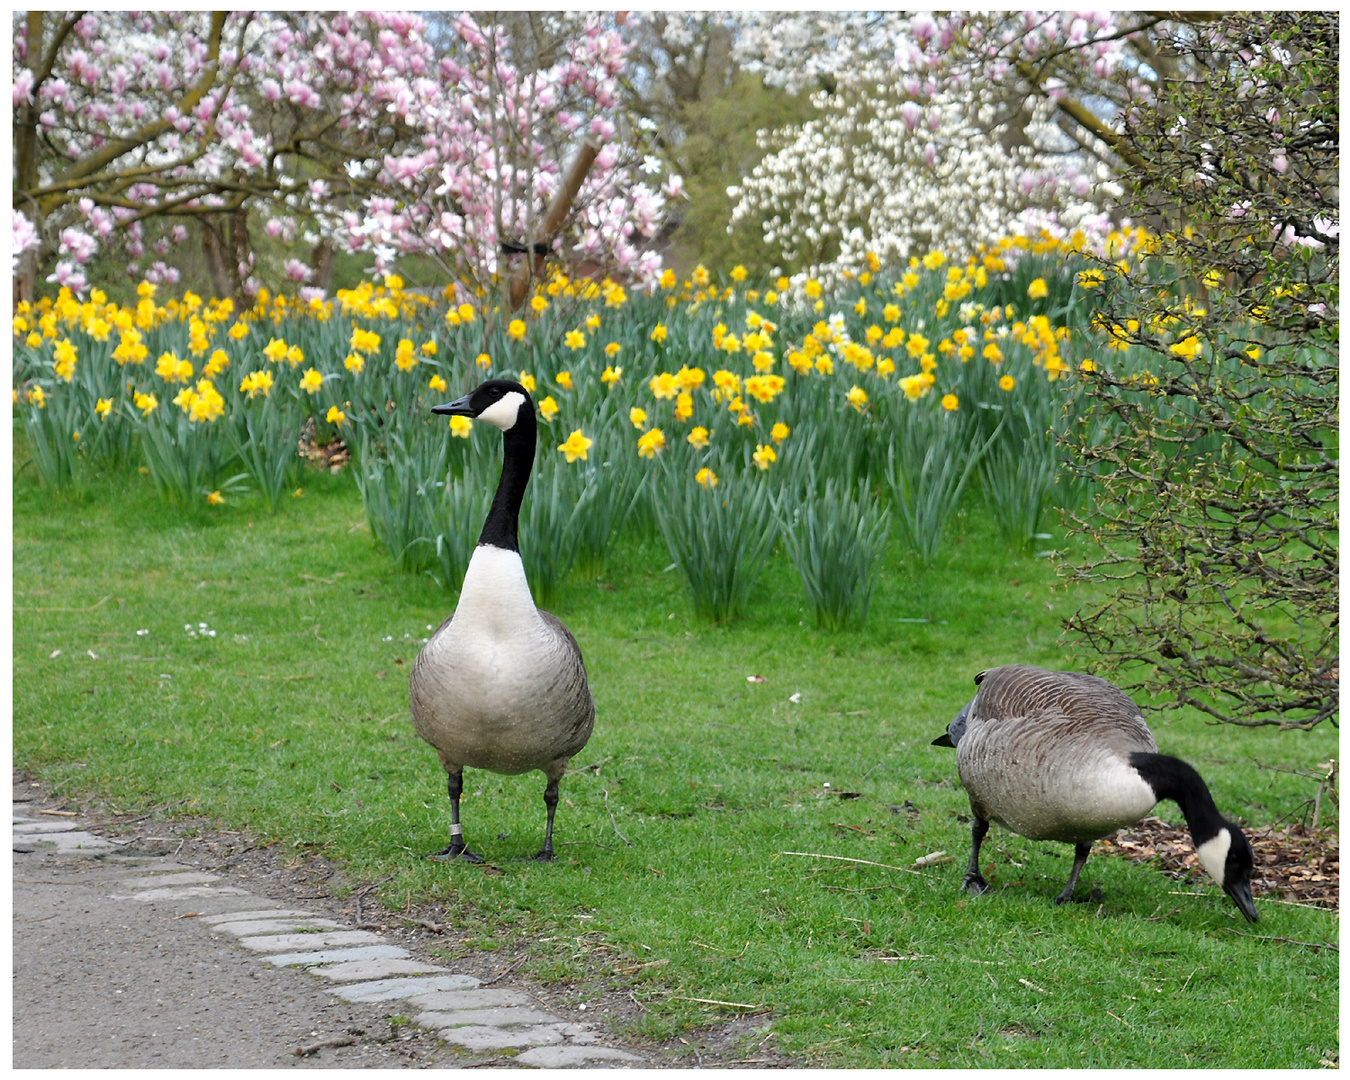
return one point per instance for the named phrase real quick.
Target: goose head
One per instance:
(956, 728)
(499, 402)
(1227, 858)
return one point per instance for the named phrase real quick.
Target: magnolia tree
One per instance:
(942, 132)
(347, 131)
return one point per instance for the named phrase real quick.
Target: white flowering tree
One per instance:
(941, 132)
(349, 132)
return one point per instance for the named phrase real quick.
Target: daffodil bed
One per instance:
(748, 822)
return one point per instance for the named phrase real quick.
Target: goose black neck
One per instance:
(1171, 778)
(503, 520)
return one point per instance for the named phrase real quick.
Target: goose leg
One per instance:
(554, 772)
(1080, 855)
(974, 883)
(456, 849)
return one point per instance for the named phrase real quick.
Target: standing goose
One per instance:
(1058, 755)
(500, 685)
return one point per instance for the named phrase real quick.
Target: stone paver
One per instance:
(394, 989)
(302, 942)
(572, 1057)
(453, 1000)
(252, 927)
(150, 896)
(334, 956)
(365, 967)
(235, 916)
(173, 880)
(508, 1017)
(362, 970)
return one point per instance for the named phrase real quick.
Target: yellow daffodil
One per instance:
(1090, 279)
(668, 278)
(993, 353)
(63, 359)
(779, 432)
(637, 417)
(651, 443)
(275, 350)
(658, 333)
(311, 381)
(950, 402)
(764, 456)
(103, 408)
(706, 478)
(461, 427)
(1007, 382)
(664, 385)
(483, 361)
(825, 365)
(428, 348)
(698, 438)
(259, 382)
(576, 446)
(147, 403)
(574, 339)
(354, 363)
(335, 415)
(1038, 290)
(857, 397)
(527, 381)
(548, 409)
(438, 384)
(465, 313)
(404, 357)
(516, 329)
(684, 406)
(538, 304)
(1087, 365)
(610, 376)
(592, 321)
(215, 498)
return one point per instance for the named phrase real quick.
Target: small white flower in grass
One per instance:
(142, 633)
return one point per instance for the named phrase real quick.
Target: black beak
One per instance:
(943, 740)
(459, 407)
(1242, 897)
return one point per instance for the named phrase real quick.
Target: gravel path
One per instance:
(128, 956)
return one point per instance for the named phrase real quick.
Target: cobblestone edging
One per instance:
(355, 965)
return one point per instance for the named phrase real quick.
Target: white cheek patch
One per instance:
(504, 413)
(1214, 854)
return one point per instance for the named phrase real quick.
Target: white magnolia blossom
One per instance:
(887, 175)
(908, 156)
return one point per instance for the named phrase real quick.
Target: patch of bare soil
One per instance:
(1294, 863)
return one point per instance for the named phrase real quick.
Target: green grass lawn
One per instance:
(292, 722)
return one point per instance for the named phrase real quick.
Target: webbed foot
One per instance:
(974, 884)
(542, 855)
(455, 853)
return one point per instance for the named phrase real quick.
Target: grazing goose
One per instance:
(1058, 755)
(501, 685)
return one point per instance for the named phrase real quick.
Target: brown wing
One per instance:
(1084, 701)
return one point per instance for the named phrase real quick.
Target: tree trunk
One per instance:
(223, 281)
(321, 261)
(533, 265)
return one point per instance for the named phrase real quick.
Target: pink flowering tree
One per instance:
(133, 131)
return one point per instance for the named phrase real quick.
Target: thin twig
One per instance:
(615, 822)
(505, 971)
(715, 1001)
(845, 858)
(315, 1047)
(1286, 940)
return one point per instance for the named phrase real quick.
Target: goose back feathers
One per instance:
(1047, 754)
